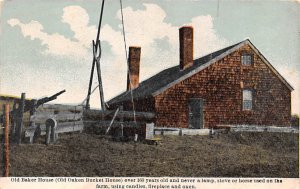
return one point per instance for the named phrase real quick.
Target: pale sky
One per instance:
(45, 46)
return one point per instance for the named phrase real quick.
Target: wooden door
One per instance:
(196, 114)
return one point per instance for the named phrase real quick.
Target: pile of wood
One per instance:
(68, 118)
(118, 122)
(28, 117)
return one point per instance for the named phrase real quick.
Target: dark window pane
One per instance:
(247, 99)
(246, 59)
(247, 105)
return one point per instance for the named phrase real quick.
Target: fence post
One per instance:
(20, 119)
(13, 119)
(32, 113)
(53, 136)
(6, 144)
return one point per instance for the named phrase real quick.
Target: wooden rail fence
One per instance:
(69, 119)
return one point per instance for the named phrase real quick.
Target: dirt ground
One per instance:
(229, 155)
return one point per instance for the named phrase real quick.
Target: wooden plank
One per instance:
(43, 116)
(63, 124)
(62, 117)
(129, 114)
(54, 112)
(61, 128)
(116, 124)
(42, 110)
(60, 124)
(65, 129)
(70, 128)
(61, 107)
(112, 121)
(124, 114)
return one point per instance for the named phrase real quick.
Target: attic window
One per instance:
(246, 59)
(247, 99)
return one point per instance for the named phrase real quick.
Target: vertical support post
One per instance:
(97, 59)
(48, 130)
(135, 137)
(32, 113)
(6, 145)
(53, 133)
(149, 131)
(180, 132)
(51, 130)
(20, 119)
(87, 105)
(36, 134)
(94, 60)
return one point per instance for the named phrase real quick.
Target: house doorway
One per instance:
(196, 114)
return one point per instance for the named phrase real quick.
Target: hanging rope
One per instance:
(125, 47)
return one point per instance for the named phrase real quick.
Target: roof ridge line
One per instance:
(221, 49)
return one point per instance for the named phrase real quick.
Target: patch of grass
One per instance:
(229, 155)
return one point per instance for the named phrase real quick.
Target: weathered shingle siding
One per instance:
(220, 85)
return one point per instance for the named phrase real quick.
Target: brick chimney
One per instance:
(186, 34)
(134, 67)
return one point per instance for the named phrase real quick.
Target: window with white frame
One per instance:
(247, 99)
(247, 59)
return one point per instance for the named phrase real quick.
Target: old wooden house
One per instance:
(236, 85)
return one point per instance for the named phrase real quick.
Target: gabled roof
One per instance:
(171, 76)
